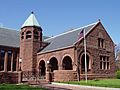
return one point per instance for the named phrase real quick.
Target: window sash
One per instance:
(104, 63)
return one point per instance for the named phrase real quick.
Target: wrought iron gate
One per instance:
(31, 75)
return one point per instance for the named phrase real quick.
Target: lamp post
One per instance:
(20, 61)
(48, 78)
(48, 66)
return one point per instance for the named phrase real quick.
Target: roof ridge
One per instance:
(9, 28)
(71, 31)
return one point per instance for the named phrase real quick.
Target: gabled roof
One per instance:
(31, 21)
(66, 39)
(9, 37)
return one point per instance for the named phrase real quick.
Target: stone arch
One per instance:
(89, 62)
(67, 63)
(42, 68)
(53, 64)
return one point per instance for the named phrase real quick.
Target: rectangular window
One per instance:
(9, 60)
(2, 54)
(104, 63)
(100, 42)
(100, 64)
(108, 63)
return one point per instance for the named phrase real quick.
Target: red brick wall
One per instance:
(70, 75)
(9, 77)
(29, 48)
(65, 75)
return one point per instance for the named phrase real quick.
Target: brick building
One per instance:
(58, 58)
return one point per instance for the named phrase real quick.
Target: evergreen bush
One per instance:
(118, 74)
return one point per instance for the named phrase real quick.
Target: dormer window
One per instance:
(28, 34)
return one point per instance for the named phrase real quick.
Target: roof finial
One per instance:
(99, 20)
(32, 12)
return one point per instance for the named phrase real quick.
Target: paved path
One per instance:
(80, 87)
(60, 86)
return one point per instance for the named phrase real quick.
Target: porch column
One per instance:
(5, 61)
(48, 79)
(0, 64)
(12, 61)
(60, 67)
(74, 66)
(17, 62)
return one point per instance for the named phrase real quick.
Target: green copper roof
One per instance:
(31, 21)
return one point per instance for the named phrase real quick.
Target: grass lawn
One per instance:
(113, 83)
(18, 87)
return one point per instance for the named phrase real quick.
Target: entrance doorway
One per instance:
(83, 63)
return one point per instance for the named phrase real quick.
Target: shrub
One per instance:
(118, 74)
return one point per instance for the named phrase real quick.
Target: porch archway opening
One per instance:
(53, 64)
(42, 68)
(67, 63)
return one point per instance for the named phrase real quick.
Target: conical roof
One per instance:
(31, 21)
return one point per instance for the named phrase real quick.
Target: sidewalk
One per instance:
(61, 86)
(80, 87)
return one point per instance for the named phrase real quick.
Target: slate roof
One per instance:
(65, 39)
(10, 37)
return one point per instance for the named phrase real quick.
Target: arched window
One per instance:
(36, 35)
(22, 35)
(53, 64)
(28, 34)
(67, 63)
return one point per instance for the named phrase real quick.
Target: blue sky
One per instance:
(57, 16)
